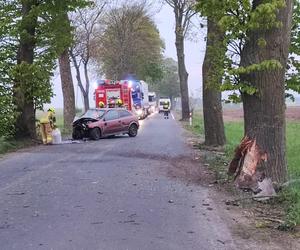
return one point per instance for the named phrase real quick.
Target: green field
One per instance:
(234, 133)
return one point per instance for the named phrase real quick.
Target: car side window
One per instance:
(111, 115)
(124, 113)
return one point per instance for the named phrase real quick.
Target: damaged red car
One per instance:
(98, 123)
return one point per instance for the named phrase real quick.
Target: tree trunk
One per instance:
(80, 84)
(25, 122)
(86, 101)
(212, 99)
(264, 111)
(183, 77)
(67, 89)
(87, 88)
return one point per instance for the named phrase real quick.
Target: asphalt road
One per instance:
(113, 194)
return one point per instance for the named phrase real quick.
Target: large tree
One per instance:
(42, 28)
(258, 41)
(212, 74)
(265, 110)
(183, 12)
(8, 50)
(169, 84)
(31, 27)
(25, 123)
(130, 44)
(66, 33)
(88, 27)
(67, 89)
(212, 71)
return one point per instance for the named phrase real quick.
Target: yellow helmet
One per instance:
(51, 110)
(101, 104)
(119, 102)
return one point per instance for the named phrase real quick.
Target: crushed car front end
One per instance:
(81, 128)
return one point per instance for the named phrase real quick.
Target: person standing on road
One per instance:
(166, 109)
(47, 124)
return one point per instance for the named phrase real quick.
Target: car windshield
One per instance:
(93, 113)
(163, 103)
(151, 98)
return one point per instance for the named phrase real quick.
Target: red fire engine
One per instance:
(109, 92)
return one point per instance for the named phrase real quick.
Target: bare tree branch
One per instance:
(87, 25)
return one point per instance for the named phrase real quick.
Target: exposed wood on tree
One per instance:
(264, 111)
(248, 157)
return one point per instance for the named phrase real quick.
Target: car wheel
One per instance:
(77, 135)
(133, 130)
(95, 134)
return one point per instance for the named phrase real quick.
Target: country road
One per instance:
(112, 194)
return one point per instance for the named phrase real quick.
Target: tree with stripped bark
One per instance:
(258, 40)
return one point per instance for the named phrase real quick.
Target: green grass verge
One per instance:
(9, 145)
(234, 133)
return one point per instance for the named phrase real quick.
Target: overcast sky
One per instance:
(194, 54)
(194, 50)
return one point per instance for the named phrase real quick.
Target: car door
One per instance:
(112, 123)
(126, 119)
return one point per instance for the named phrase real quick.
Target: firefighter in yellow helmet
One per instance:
(101, 104)
(166, 109)
(119, 103)
(47, 123)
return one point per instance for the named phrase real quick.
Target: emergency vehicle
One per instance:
(152, 101)
(109, 92)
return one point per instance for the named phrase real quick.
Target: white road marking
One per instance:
(173, 116)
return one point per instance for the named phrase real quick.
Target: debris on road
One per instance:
(222, 242)
(17, 193)
(232, 203)
(97, 223)
(266, 190)
(127, 221)
(70, 142)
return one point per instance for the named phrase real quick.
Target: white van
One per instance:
(152, 101)
(161, 103)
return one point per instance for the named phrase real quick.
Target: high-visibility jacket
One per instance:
(48, 117)
(166, 106)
